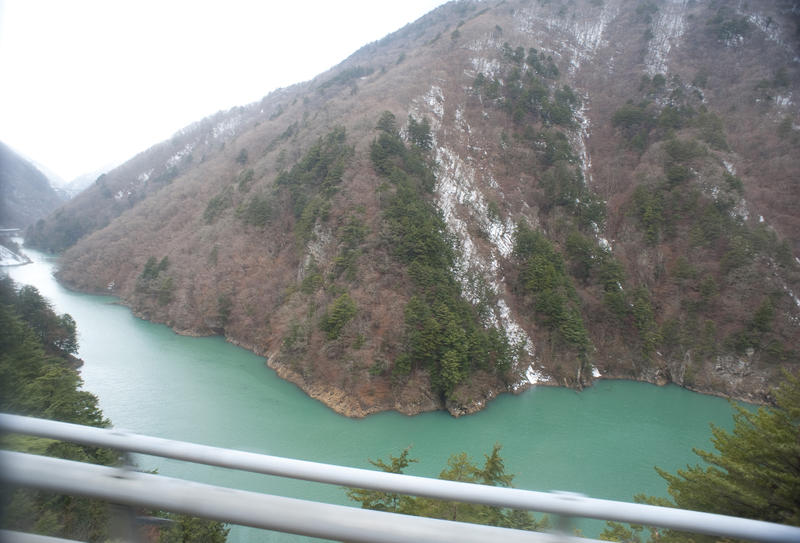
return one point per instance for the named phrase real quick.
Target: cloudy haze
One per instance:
(90, 82)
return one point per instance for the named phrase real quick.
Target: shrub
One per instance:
(312, 181)
(677, 173)
(648, 207)
(543, 65)
(712, 130)
(733, 182)
(346, 76)
(683, 270)
(581, 253)
(543, 278)
(257, 211)
(165, 290)
(644, 321)
(339, 313)
(634, 123)
(312, 280)
(241, 158)
(682, 151)
(701, 78)
(420, 133)
(351, 235)
(217, 205)
(245, 179)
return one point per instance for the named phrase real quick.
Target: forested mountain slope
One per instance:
(499, 194)
(25, 192)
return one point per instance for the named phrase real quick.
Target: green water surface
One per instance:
(602, 442)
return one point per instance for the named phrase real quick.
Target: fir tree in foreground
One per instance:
(754, 473)
(459, 468)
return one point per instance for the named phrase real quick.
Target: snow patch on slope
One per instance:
(579, 140)
(145, 176)
(582, 36)
(226, 128)
(10, 258)
(667, 29)
(534, 376)
(729, 167)
(458, 195)
(176, 159)
(784, 101)
(457, 192)
(484, 44)
(769, 26)
(488, 67)
(741, 210)
(795, 298)
(434, 99)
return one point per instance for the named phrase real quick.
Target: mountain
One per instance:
(499, 194)
(25, 192)
(80, 183)
(10, 253)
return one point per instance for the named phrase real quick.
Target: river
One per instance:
(602, 442)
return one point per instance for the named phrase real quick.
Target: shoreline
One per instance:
(342, 403)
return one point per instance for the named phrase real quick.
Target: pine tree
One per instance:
(460, 467)
(384, 501)
(754, 473)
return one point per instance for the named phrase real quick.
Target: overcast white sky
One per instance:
(84, 83)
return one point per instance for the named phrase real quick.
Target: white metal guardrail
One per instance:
(8, 536)
(120, 485)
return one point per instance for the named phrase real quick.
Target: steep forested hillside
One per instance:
(25, 192)
(499, 194)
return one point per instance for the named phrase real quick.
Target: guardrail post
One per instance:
(122, 520)
(564, 524)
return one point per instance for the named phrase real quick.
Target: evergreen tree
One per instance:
(387, 123)
(754, 473)
(37, 378)
(185, 529)
(419, 132)
(444, 334)
(460, 467)
(385, 501)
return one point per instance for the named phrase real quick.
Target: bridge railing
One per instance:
(121, 485)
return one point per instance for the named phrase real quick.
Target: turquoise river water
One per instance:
(602, 442)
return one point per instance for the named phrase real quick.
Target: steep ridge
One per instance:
(598, 188)
(25, 192)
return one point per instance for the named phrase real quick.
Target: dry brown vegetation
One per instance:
(265, 287)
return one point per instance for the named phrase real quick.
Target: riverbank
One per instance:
(415, 396)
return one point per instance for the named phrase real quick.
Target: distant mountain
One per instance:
(499, 194)
(83, 181)
(56, 181)
(25, 193)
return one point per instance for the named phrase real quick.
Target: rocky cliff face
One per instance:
(609, 187)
